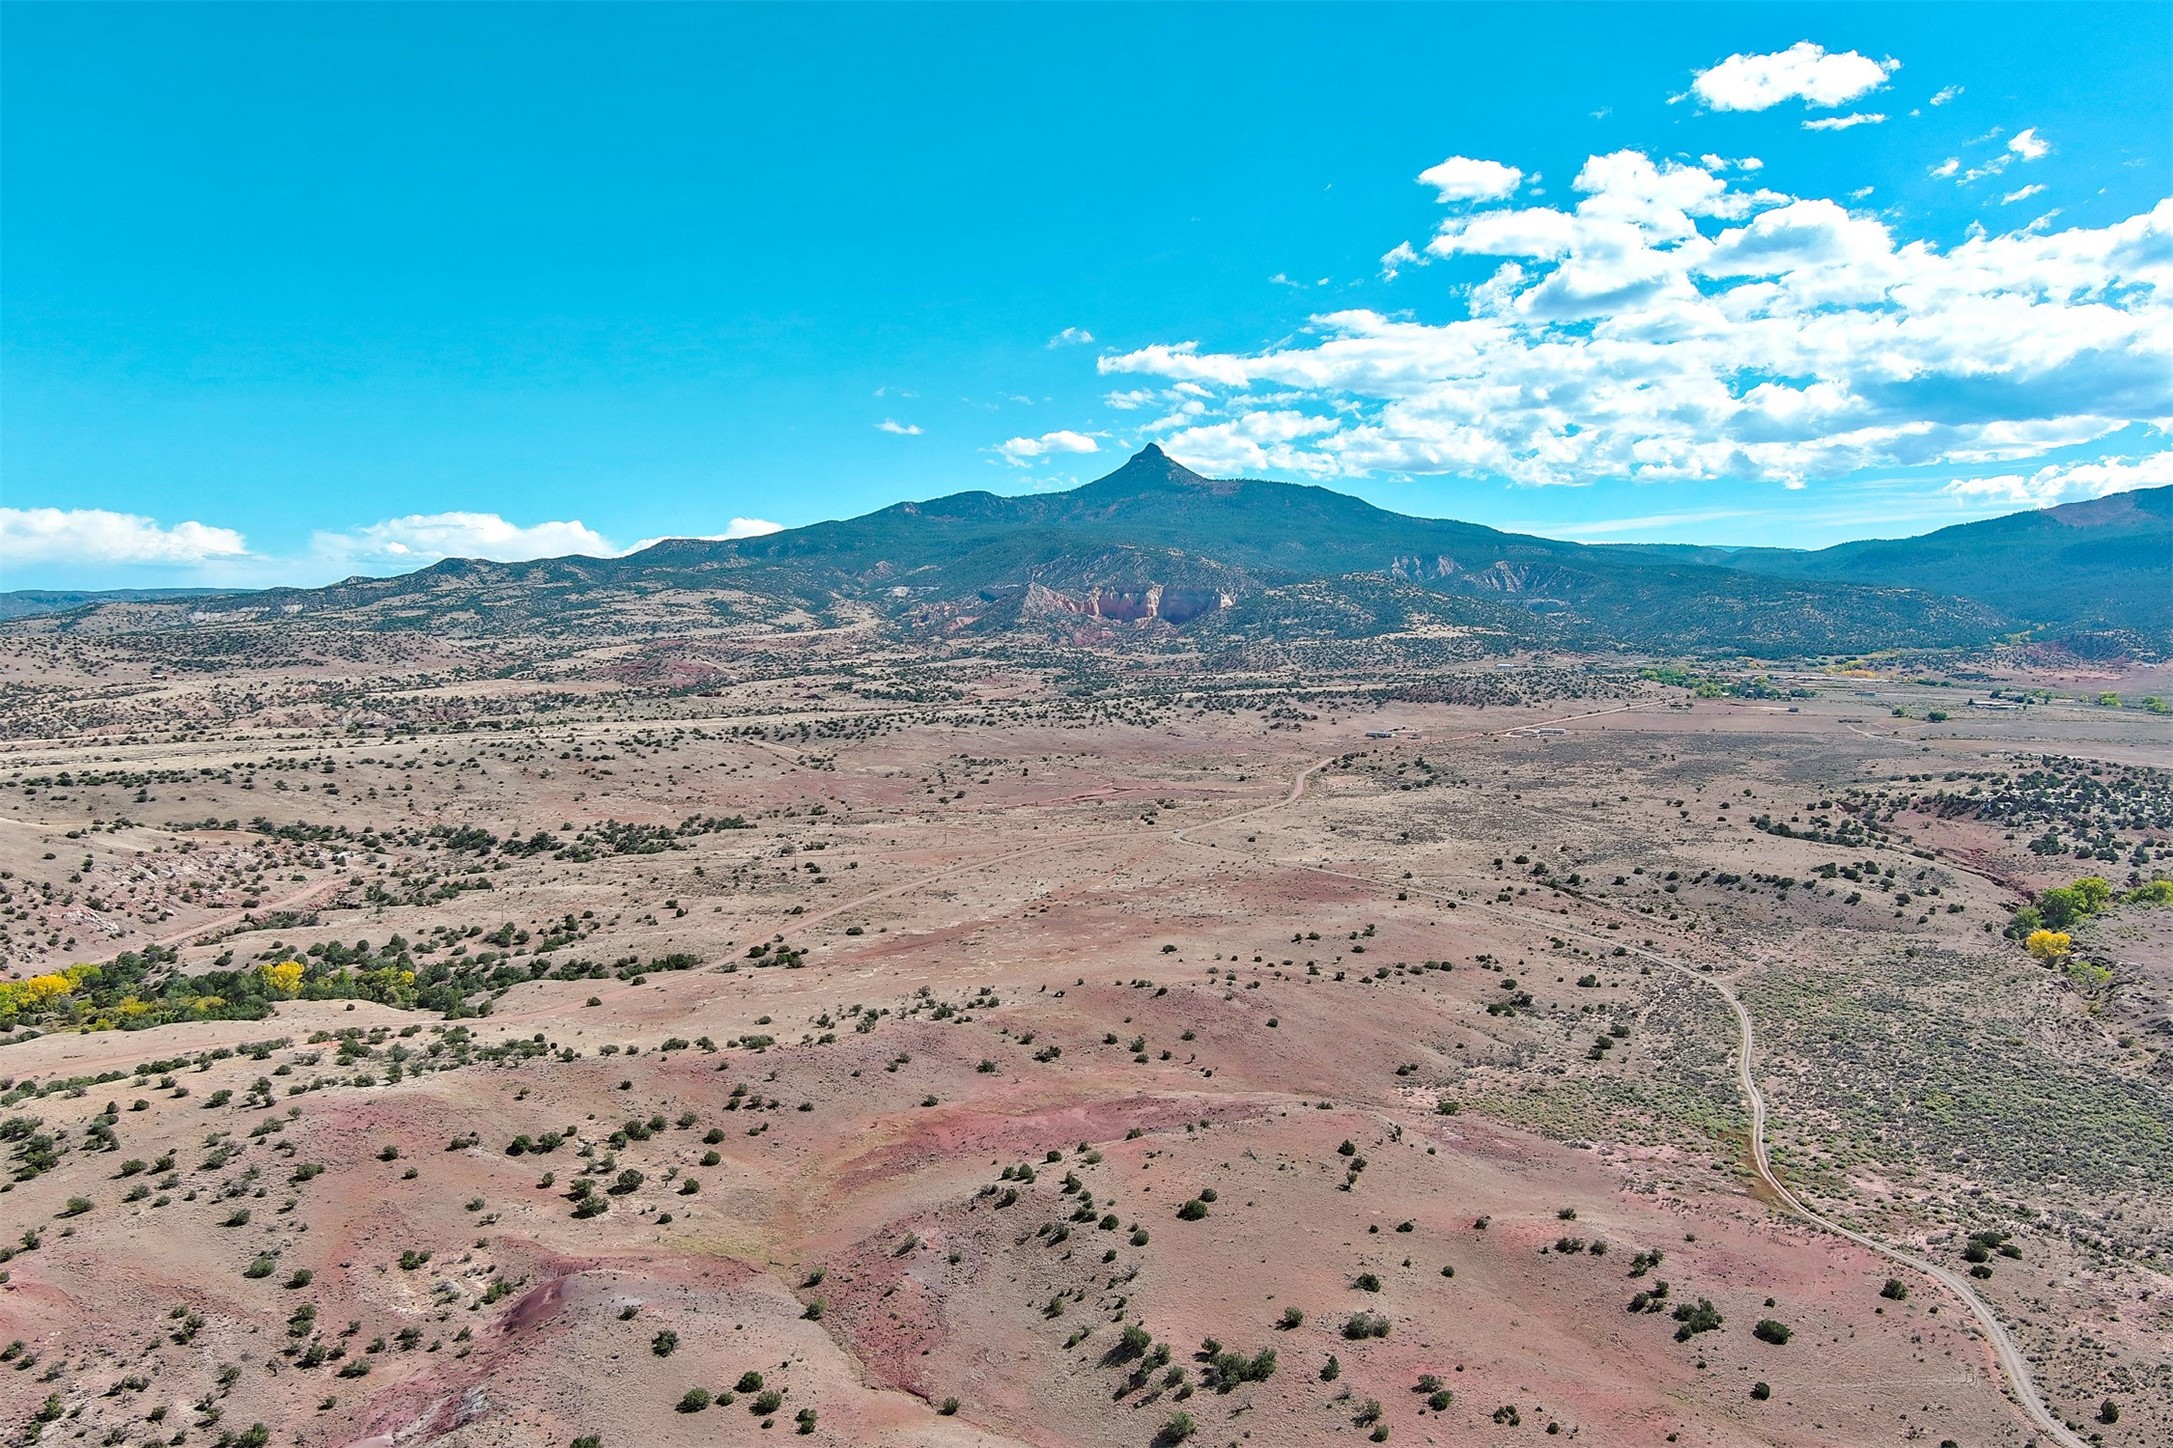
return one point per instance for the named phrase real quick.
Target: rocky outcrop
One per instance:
(1500, 576)
(1170, 604)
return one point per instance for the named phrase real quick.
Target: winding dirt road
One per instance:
(2021, 1384)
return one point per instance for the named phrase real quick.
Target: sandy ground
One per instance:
(1054, 980)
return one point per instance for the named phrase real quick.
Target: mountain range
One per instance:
(1157, 546)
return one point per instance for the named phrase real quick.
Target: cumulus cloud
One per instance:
(90, 538)
(1804, 71)
(2068, 482)
(1071, 337)
(1251, 443)
(1947, 167)
(1023, 450)
(2022, 195)
(2029, 145)
(1845, 123)
(902, 429)
(95, 536)
(1945, 93)
(738, 528)
(421, 538)
(1460, 178)
(1675, 324)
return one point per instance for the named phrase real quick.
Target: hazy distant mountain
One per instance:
(2106, 562)
(1155, 545)
(29, 602)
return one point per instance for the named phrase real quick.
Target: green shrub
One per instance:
(1703, 1317)
(1361, 1325)
(1176, 1430)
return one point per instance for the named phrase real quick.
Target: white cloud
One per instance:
(1397, 257)
(901, 429)
(1675, 326)
(1022, 450)
(1945, 94)
(1531, 231)
(1795, 238)
(421, 538)
(2023, 195)
(96, 536)
(1804, 72)
(1460, 178)
(89, 538)
(737, 528)
(1845, 123)
(2068, 482)
(1650, 523)
(2024, 145)
(1071, 337)
(1253, 443)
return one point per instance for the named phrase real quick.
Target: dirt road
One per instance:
(2014, 1366)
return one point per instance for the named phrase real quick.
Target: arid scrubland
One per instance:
(658, 1042)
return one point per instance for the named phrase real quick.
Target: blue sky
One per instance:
(294, 292)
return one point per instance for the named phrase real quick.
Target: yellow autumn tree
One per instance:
(41, 994)
(283, 979)
(2049, 946)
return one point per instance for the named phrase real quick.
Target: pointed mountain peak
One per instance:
(1152, 467)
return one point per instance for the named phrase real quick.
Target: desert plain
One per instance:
(751, 1037)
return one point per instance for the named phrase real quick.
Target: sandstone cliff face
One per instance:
(1174, 605)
